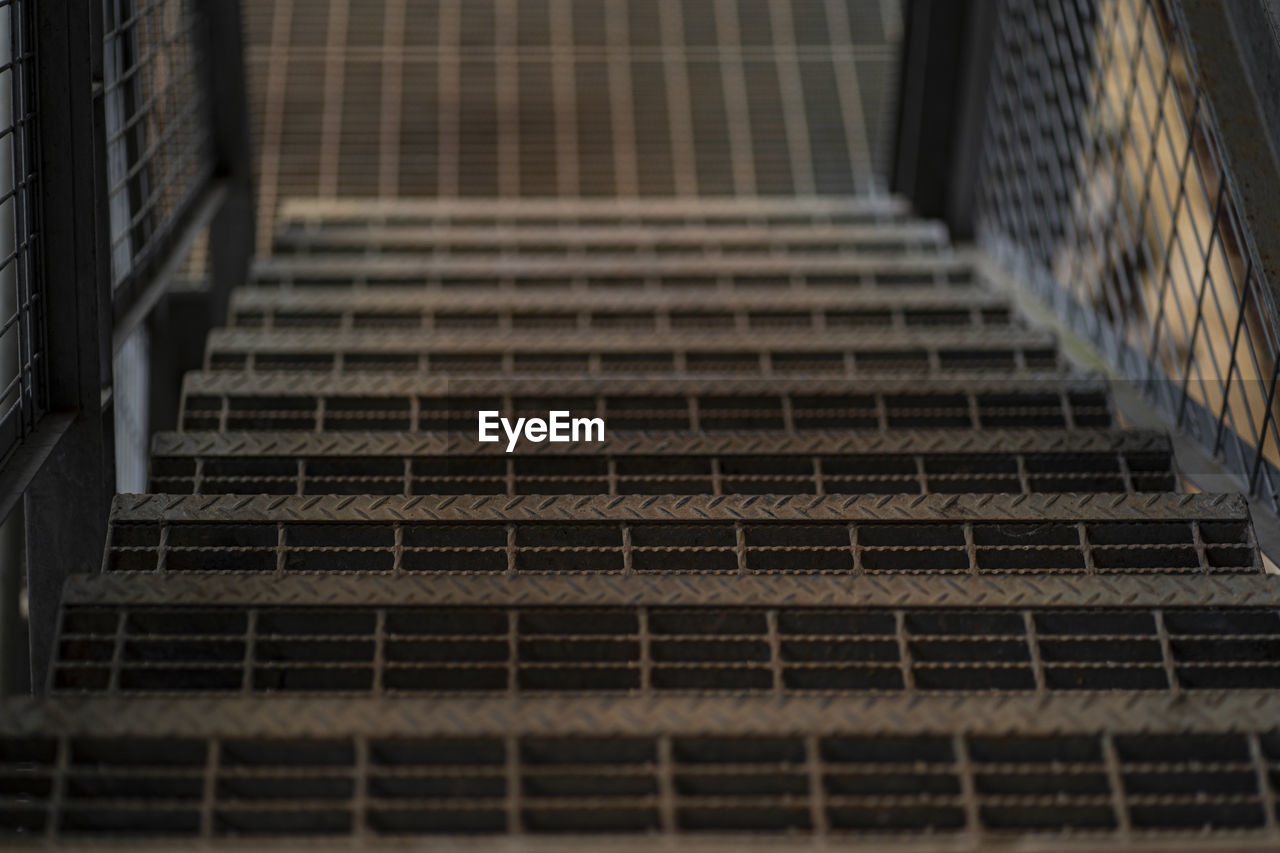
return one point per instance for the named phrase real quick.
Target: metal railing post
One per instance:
(185, 316)
(231, 234)
(68, 501)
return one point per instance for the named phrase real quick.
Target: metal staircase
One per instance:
(861, 557)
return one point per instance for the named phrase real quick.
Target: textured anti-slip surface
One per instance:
(857, 556)
(1078, 769)
(910, 601)
(829, 462)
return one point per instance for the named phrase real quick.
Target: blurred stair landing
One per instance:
(862, 558)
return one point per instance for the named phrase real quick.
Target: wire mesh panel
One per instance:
(22, 381)
(158, 154)
(1105, 181)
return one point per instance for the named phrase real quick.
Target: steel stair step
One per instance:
(124, 642)
(708, 211)
(1082, 536)
(388, 401)
(541, 238)
(623, 309)
(940, 352)
(589, 592)
(954, 461)
(741, 272)
(934, 771)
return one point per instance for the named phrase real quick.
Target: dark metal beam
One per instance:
(945, 67)
(69, 499)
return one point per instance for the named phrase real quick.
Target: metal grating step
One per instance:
(388, 401)
(639, 649)
(933, 771)
(562, 239)
(620, 311)
(670, 589)
(941, 461)
(676, 272)
(866, 352)
(709, 212)
(871, 535)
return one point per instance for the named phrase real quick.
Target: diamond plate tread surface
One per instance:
(303, 270)
(323, 589)
(851, 208)
(672, 462)
(687, 508)
(398, 299)
(319, 717)
(285, 383)
(374, 444)
(953, 352)
(328, 237)
(559, 340)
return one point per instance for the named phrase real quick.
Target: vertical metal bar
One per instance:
(69, 500)
(273, 116)
(231, 233)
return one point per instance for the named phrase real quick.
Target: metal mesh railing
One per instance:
(1106, 183)
(158, 154)
(22, 383)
